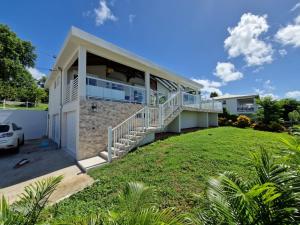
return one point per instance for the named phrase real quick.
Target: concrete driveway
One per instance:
(45, 161)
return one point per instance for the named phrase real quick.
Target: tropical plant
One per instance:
(136, 206)
(270, 110)
(27, 210)
(293, 143)
(288, 105)
(243, 121)
(271, 196)
(294, 116)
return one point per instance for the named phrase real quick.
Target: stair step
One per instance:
(132, 137)
(127, 141)
(121, 146)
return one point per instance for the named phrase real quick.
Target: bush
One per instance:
(243, 121)
(276, 127)
(223, 121)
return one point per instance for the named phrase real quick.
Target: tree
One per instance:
(27, 210)
(270, 110)
(288, 105)
(15, 54)
(269, 196)
(214, 94)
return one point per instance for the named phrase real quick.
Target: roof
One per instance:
(77, 37)
(236, 96)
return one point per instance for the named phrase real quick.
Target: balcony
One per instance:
(246, 109)
(194, 101)
(97, 88)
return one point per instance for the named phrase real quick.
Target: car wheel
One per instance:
(23, 140)
(17, 149)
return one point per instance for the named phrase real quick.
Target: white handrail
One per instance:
(170, 106)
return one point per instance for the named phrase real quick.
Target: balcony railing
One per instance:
(241, 109)
(194, 101)
(109, 90)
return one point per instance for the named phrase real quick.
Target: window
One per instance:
(224, 102)
(4, 128)
(14, 126)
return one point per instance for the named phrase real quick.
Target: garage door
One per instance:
(55, 128)
(71, 132)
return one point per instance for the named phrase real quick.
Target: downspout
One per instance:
(60, 109)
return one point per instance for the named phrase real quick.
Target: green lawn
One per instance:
(40, 106)
(178, 168)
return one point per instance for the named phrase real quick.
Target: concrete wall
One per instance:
(190, 119)
(93, 125)
(213, 119)
(33, 122)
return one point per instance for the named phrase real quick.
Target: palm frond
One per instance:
(35, 197)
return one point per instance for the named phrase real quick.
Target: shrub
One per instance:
(223, 121)
(275, 127)
(243, 121)
(259, 126)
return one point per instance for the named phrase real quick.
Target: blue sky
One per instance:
(230, 46)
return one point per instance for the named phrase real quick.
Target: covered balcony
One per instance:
(111, 81)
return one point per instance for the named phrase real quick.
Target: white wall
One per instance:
(213, 119)
(33, 122)
(189, 119)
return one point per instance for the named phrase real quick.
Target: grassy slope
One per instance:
(177, 167)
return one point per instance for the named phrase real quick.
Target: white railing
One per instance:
(153, 116)
(211, 105)
(190, 100)
(71, 91)
(170, 106)
(109, 90)
(136, 121)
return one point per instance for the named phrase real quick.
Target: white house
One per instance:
(239, 104)
(105, 101)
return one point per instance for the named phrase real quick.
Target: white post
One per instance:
(146, 117)
(109, 144)
(147, 86)
(82, 72)
(160, 119)
(4, 104)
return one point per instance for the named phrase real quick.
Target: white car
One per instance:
(11, 136)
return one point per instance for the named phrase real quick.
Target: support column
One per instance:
(82, 73)
(147, 86)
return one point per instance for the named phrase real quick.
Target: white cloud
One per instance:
(267, 90)
(103, 13)
(297, 6)
(293, 94)
(244, 40)
(131, 17)
(290, 34)
(209, 86)
(263, 93)
(226, 72)
(268, 86)
(282, 52)
(36, 73)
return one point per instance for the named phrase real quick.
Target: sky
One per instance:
(229, 46)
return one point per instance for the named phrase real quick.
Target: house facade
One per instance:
(105, 101)
(239, 104)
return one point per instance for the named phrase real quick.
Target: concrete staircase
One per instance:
(131, 133)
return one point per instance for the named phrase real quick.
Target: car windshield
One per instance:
(4, 128)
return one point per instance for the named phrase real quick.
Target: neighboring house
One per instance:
(239, 104)
(105, 101)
